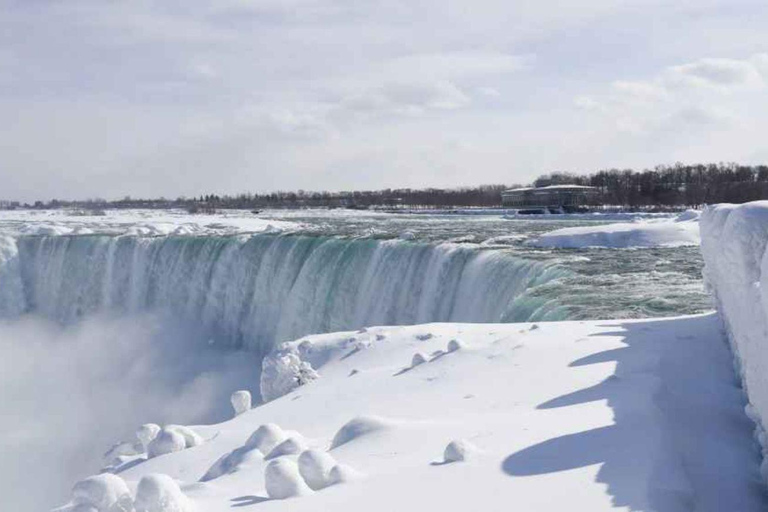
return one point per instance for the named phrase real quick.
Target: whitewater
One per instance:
(144, 317)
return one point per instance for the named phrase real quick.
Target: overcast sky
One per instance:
(181, 97)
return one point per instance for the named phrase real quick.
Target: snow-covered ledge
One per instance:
(733, 242)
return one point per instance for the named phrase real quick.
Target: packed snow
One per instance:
(607, 415)
(679, 231)
(734, 241)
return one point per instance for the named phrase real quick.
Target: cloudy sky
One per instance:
(181, 97)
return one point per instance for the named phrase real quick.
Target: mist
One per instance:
(68, 393)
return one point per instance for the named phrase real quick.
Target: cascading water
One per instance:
(255, 291)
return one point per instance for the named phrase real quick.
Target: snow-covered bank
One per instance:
(679, 231)
(136, 222)
(608, 415)
(734, 241)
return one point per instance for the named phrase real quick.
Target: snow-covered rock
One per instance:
(341, 473)
(241, 401)
(455, 345)
(161, 493)
(283, 480)
(104, 493)
(315, 467)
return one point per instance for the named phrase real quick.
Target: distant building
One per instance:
(554, 198)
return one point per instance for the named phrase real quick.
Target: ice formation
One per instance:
(291, 446)
(147, 433)
(166, 441)
(241, 401)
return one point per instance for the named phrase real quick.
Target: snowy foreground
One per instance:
(579, 416)
(666, 232)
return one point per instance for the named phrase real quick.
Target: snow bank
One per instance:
(680, 231)
(734, 240)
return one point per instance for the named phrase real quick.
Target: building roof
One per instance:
(553, 188)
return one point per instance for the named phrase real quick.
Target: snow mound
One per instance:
(266, 438)
(160, 493)
(104, 493)
(680, 231)
(291, 446)
(315, 467)
(167, 441)
(359, 427)
(147, 433)
(283, 480)
(455, 345)
(458, 451)
(418, 359)
(191, 438)
(241, 401)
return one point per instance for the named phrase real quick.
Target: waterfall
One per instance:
(255, 291)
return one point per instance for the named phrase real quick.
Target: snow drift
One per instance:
(734, 240)
(680, 231)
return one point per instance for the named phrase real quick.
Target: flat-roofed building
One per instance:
(554, 198)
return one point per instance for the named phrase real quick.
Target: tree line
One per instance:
(677, 185)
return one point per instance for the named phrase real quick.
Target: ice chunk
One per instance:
(283, 480)
(315, 467)
(241, 401)
(146, 433)
(160, 493)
